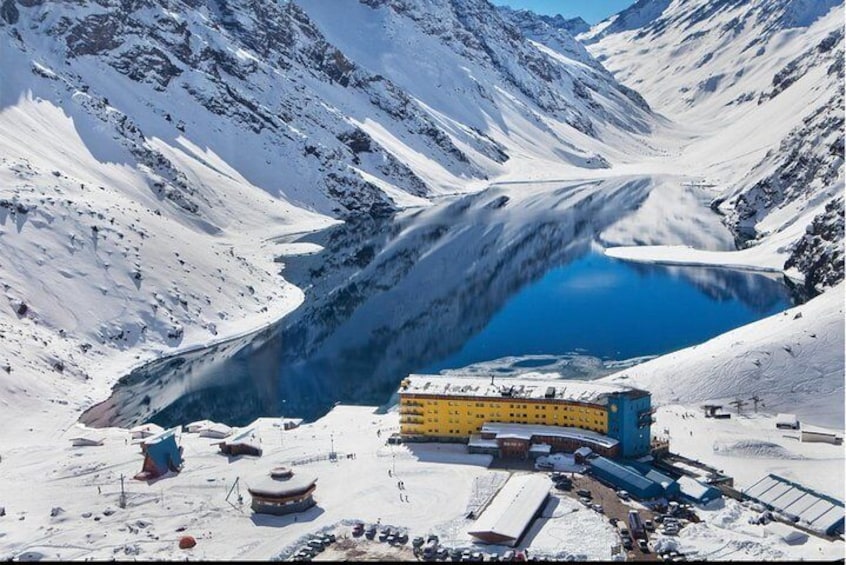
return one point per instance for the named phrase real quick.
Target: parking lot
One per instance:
(614, 507)
(379, 542)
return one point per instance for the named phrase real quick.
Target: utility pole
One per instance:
(738, 404)
(122, 499)
(757, 400)
(282, 422)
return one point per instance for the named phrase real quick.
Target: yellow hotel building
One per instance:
(449, 408)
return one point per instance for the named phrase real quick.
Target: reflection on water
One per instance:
(471, 280)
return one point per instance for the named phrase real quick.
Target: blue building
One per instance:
(630, 421)
(669, 485)
(161, 454)
(696, 491)
(624, 478)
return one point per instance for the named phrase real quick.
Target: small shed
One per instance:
(582, 454)
(245, 442)
(215, 431)
(86, 440)
(161, 454)
(195, 427)
(820, 435)
(538, 449)
(787, 422)
(697, 492)
(145, 430)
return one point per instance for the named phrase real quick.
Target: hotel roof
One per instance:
(516, 388)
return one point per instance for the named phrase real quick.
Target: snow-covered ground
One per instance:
(74, 512)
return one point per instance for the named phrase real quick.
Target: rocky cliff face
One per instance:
(764, 81)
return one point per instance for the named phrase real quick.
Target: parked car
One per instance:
(598, 508)
(417, 541)
(315, 544)
(477, 556)
(402, 538)
(328, 539)
(430, 549)
(644, 547)
(433, 537)
(624, 495)
(357, 529)
(508, 555)
(455, 554)
(584, 493)
(649, 525)
(442, 553)
(370, 532)
(627, 543)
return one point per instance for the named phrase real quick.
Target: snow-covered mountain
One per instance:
(759, 87)
(151, 152)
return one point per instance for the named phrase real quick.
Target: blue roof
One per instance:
(622, 473)
(164, 453)
(659, 478)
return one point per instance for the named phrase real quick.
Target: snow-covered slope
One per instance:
(758, 87)
(793, 361)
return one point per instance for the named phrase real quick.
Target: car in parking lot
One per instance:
(649, 525)
(442, 553)
(402, 538)
(477, 556)
(584, 493)
(598, 508)
(624, 495)
(370, 532)
(644, 547)
(508, 555)
(357, 529)
(316, 544)
(417, 541)
(627, 543)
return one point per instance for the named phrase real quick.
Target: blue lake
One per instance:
(443, 288)
(613, 309)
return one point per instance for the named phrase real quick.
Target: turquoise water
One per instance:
(612, 309)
